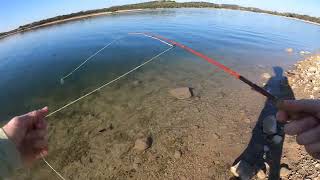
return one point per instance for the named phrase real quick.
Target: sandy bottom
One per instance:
(94, 138)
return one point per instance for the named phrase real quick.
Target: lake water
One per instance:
(32, 63)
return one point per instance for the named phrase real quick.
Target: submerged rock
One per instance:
(142, 144)
(270, 125)
(181, 93)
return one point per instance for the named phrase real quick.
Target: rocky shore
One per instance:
(304, 79)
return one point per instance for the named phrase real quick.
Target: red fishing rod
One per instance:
(215, 63)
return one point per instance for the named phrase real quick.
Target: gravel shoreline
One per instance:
(304, 79)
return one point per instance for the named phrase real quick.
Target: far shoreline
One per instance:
(16, 31)
(72, 19)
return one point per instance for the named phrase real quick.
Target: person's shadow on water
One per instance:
(262, 147)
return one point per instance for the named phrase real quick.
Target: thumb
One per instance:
(35, 118)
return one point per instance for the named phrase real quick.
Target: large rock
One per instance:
(142, 144)
(270, 125)
(181, 93)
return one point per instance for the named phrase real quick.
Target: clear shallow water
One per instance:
(32, 63)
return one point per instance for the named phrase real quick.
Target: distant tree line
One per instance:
(159, 4)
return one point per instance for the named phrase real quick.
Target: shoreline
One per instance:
(138, 10)
(72, 19)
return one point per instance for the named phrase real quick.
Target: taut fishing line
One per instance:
(97, 89)
(171, 45)
(86, 60)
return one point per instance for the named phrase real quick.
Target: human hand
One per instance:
(28, 132)
(303, 120)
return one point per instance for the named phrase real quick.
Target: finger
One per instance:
(42, 153)
(305, 105)
(300, 126)
(313, 150)
(36, 134)
(36, 117)
(282, 116)
(309, 137)
(41, 124)
(40, 144)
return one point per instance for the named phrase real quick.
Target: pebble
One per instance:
(270, 125)
(317, 166)
(284, 172)
(177, 154)
(289, 50)
(142, 144)
(242, 169)
(312, 69)
(181, 93)
(261, 174)
(266, 76)
(277, 139)
(136, 83)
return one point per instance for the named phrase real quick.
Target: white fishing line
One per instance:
(97, 89)
(86, 60)
(151, 38)
(59, 175)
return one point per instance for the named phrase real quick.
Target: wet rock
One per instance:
(181, 93)
(243, 170)
(277, 139)
(261, 174)
(266, 148)
(270, 125)
(284, 172)
(266, 76)
(142, 144)
(289, 50)
(177, 154)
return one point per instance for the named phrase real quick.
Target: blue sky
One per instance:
(14, 13)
